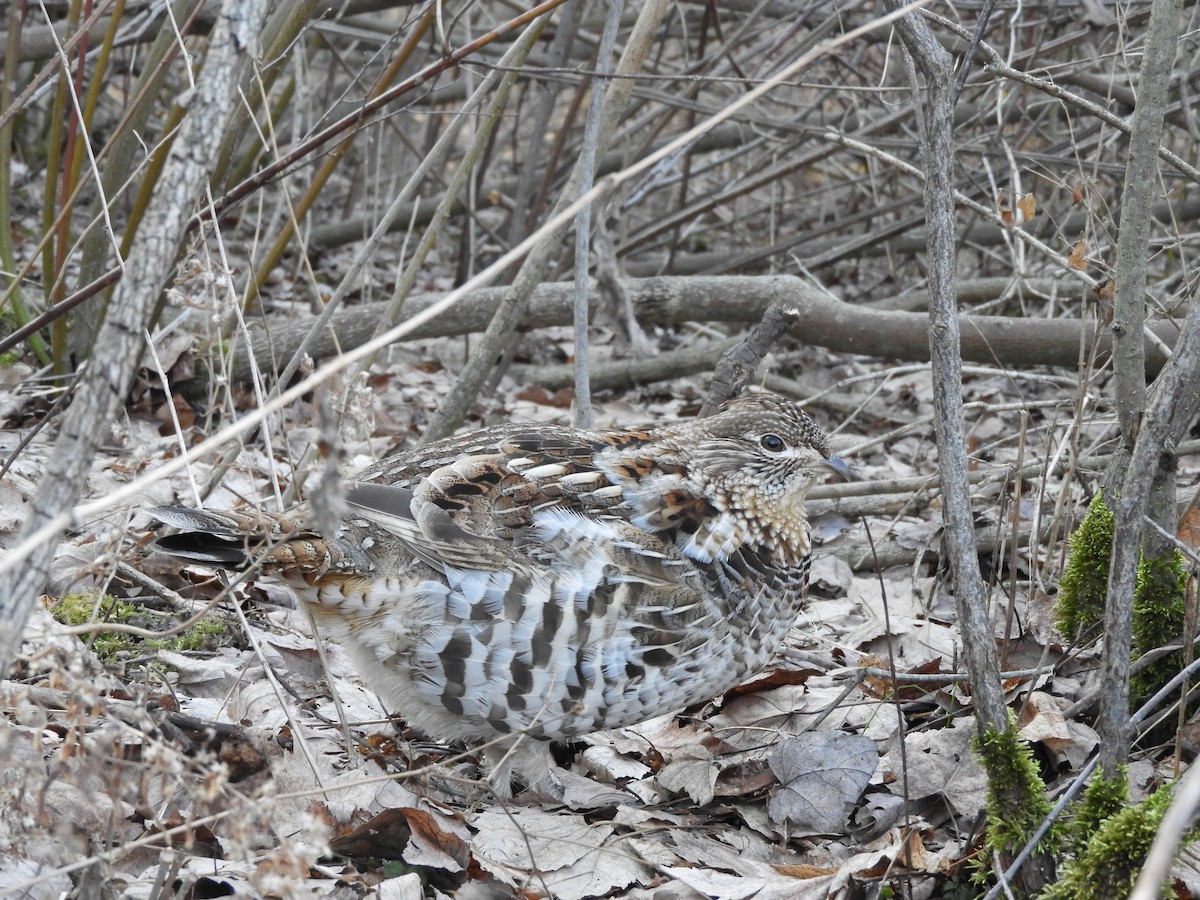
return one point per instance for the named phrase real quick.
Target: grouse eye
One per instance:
(772, 442)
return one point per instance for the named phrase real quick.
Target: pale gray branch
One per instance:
(110, 372)
(1151, 432)
(823, 321)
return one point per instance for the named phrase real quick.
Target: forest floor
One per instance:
(236, 752)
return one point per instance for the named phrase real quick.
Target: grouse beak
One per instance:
(838, 466)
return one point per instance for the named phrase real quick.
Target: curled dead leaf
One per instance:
(1078, 257)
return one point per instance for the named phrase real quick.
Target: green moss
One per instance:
(1159, 605)
(1084, 584)
(395, 868)
(1159, 596)
(1109, 864)
(1102, 798)
(80, 609)
(1017, 803)
(204, 635)
(85, 609)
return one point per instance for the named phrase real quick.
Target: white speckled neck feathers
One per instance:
(718, 489)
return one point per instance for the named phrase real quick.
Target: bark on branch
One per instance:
(1139, 462)
(111, 371)
(822, 321)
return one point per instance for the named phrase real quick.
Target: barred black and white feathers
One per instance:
(547, 582)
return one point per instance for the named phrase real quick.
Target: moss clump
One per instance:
(1110, 862)
(86, 609)
(1084, 584)
(1017, 803)
(204, 635)
(1102, 798)
(1159, 605)
(1159, 601)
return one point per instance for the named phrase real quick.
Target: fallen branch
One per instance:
(988, 540)
(822, 320)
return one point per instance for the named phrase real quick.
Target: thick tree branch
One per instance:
(823, 321)
(118, 348)
(958, 537)
(1141, 174)
(945, 353)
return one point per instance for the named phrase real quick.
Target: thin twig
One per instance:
(582, 405)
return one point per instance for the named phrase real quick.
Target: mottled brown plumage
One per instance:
(539, 582)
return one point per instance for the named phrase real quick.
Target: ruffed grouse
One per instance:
(549, 582)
